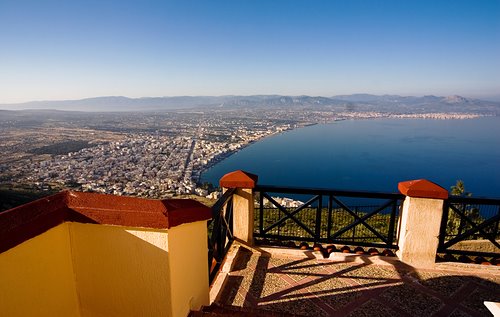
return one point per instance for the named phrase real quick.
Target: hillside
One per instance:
(355, 102)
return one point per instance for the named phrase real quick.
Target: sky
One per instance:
(53, 50)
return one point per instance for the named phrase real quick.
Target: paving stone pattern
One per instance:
(313, 287)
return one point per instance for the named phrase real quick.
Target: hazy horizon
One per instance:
(493, 98)
(81, 49)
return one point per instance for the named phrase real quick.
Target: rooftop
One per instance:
(86, 254)
(303, 283)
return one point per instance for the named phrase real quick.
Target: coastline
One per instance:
(443, 178)
(371, 116)
(220, 158)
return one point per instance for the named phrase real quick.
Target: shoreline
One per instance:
(423, 116)
(228, 154)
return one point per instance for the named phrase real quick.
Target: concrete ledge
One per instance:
(493, 307)
(288, 252)
(220, 280)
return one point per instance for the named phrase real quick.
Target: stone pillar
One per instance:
(420, 222)
(243, 203)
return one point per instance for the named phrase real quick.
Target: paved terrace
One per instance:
(288, 281)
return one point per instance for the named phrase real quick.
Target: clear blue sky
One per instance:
(77, 49)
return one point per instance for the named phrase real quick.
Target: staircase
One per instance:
(229, 310)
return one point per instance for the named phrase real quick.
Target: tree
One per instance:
(459, 189)
(456, 224)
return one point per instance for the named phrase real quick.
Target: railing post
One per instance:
(243, 203)
(420, 222)
(392, 223)
(319, 210)
(444, 223)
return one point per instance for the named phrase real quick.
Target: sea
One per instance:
(375, 155)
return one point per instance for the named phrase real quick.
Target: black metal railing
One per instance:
(467, 220)
(220, 232)
(328, 216)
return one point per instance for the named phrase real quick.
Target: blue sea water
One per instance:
(375, 155)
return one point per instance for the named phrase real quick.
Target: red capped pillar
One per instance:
(420, 222)
(243, 202)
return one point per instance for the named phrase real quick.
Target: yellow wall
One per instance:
(120, 271)
(97, 270)
(188, 255)
(36, 277)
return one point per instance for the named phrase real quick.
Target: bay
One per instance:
(375, 155)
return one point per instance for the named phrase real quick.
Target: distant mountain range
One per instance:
(355, 102)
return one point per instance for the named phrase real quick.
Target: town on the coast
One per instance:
(155, 156)
(151, 154)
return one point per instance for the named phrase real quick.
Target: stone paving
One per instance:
(310, 286)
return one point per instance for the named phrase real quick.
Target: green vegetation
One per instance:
(340, 218)
(13, 197)
(205, 201)
(62, 148)
(459, 189)
(456, 224)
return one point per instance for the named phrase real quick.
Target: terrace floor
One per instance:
(301, 283)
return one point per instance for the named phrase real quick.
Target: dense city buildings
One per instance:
(148, 154)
